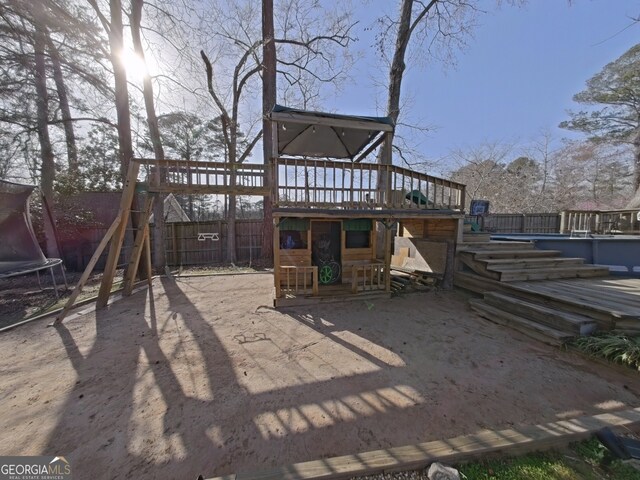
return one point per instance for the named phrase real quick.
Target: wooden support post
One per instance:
(87, 271)
(276, 258)
(128, 192)
(138, 245)
(315, 280)
(563, 222)
(354, 279)
(147, 258)
(387, 256)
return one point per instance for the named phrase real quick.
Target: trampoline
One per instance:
(20, 253)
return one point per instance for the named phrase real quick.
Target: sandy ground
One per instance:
(205, 377)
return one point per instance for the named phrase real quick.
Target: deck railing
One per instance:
(185, 176)
(309, 183)
(367, 277)
(600, 221)
(349, 185)
(298, 280)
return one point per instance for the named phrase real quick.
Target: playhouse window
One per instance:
(293, 239)
(357, 239)
(357, 232)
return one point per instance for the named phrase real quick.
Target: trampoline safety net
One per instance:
(19, 247)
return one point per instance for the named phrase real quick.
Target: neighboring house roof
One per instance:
(173, 212)
(104, 206)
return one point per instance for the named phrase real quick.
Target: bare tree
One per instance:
(154, 132)
(305, 42)
(437, 27)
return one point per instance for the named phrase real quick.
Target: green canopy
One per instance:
(297, 224)
(357, 225)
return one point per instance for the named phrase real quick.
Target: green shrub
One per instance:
(618, 348)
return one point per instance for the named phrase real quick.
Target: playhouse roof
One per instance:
(321, 134)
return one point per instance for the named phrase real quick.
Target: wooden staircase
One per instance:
(499, 268)
(520, 261)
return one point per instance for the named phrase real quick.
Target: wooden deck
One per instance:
(341, 292)
(613, 302)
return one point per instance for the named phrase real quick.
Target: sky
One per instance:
(516, 77)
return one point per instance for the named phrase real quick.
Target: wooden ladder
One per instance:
(115, 235)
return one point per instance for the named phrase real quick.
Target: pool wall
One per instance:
(621, 253)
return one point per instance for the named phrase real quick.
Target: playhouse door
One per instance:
(325, 251)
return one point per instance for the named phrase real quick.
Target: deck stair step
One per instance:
(549, 273)
(502, 264)
(512, 253)
(476, 237)
(483, 246)
(551, 317)
(533, 329)
(583, 297)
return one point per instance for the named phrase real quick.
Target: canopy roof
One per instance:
(320, 134)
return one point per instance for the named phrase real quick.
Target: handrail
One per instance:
(188, 176)
(600, 221)
(373, 272)
(308, 183)
(335, 184)
(296, 286)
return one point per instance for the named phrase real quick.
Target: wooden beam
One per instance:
(351, 213)
(211, 189)
(147, 258)
(124, 211)
(371, 148)
(276, 257)
(509, 442)
(387, 257)
(87, 271)
(138, 246)
(355, 123)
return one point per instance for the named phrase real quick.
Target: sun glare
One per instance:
(134, 64)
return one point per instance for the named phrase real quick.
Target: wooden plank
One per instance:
(532, 329)
(87, 271)
(387, 259)
(211, 189)
(124, 211)
(509, 442)
(315, 280)
(276, 258)
(147, 258)
(138, 246)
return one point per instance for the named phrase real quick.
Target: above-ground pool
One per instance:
(621, 253)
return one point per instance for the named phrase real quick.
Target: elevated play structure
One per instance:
(334, 212)
(20, 253)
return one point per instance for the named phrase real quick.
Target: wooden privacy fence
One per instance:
(205, 243)
(186, 243)
(517, 223)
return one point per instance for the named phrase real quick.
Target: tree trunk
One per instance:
(123, 114)
(268, 101)
(159, 260)
(48, 168)
(65, 110)
(396, 73)
(231, 230)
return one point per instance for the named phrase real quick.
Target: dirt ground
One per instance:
(204, 377)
